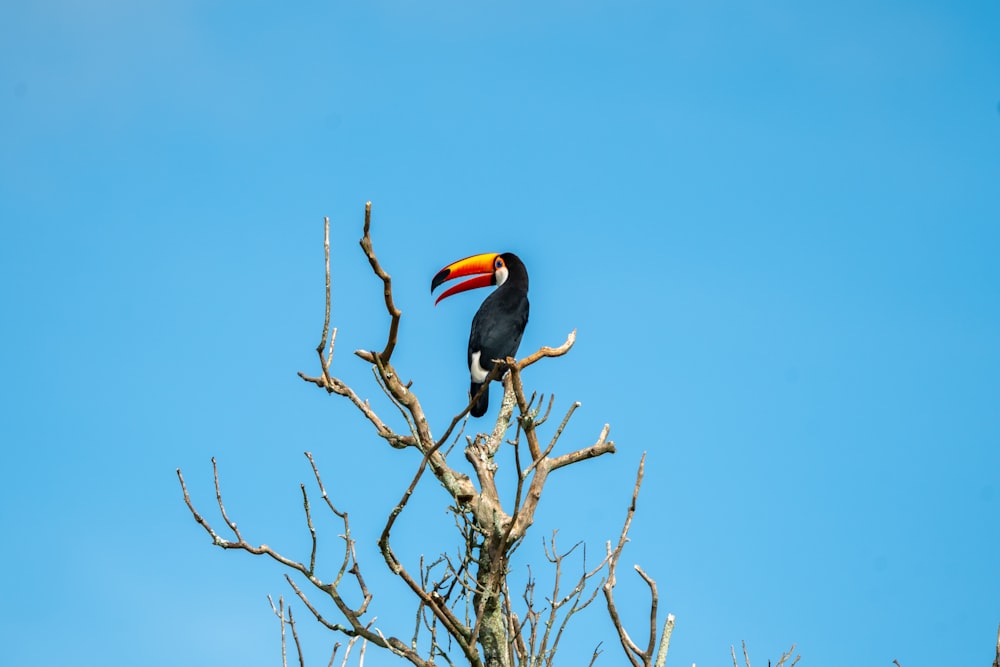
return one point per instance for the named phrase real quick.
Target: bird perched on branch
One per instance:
(500, 321)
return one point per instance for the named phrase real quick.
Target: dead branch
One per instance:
(454, 627)
(788, 654)
(597, 652)
(295, 638)
(279, 611)
(548, 352)
(638, 657)
(653, 604)
(312, 529)
(668, 630)
(347, 652)
(354, 627)
(543, 465)
(334, 385)
(575, 596)
(326, 319)
(326, 380)
(631, 650)
(525, 421)
(394, 313)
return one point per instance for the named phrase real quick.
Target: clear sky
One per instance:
(774, 226)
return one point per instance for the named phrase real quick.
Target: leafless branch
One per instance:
(788, 654)
(575, 596)
(334, 385)
(295, 638)
(279, 611)
(333, 655)
(653, 604)
(597, 652)
(638, 657)
(354, 627)
(322, 489)
(380, 371)
(454, 627)
(347, 651)
(326, 380)
(325, 363)
(390, 306)
(668, 630)
(548, 352)
(312, 529)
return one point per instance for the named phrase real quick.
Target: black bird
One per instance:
(500, 321)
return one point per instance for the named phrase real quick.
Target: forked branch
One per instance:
(782, 661)
(354, 626)
(639, 657)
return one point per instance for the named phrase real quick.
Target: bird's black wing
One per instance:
(498, 337)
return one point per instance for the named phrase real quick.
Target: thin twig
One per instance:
(333, 656)
(312, 529)
(279, 611)
(295, 637)
(653, 604)
(326, 319)
(788, 654)
(597, 652)
(635, 655)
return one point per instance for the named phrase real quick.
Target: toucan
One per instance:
(500, 321)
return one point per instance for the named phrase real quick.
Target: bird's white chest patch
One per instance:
(500, 275)
(475, 370)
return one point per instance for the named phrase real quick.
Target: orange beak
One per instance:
(482, 266)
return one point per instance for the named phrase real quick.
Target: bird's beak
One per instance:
(481, 266)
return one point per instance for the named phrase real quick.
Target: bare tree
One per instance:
(464, 608)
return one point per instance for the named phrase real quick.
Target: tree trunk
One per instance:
(492, 625)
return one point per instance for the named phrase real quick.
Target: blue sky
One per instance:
(774, 228)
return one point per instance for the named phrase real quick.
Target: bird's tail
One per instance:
(480, 406)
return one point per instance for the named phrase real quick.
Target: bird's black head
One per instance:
(514, 271)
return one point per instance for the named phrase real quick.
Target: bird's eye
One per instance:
(498, 263)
